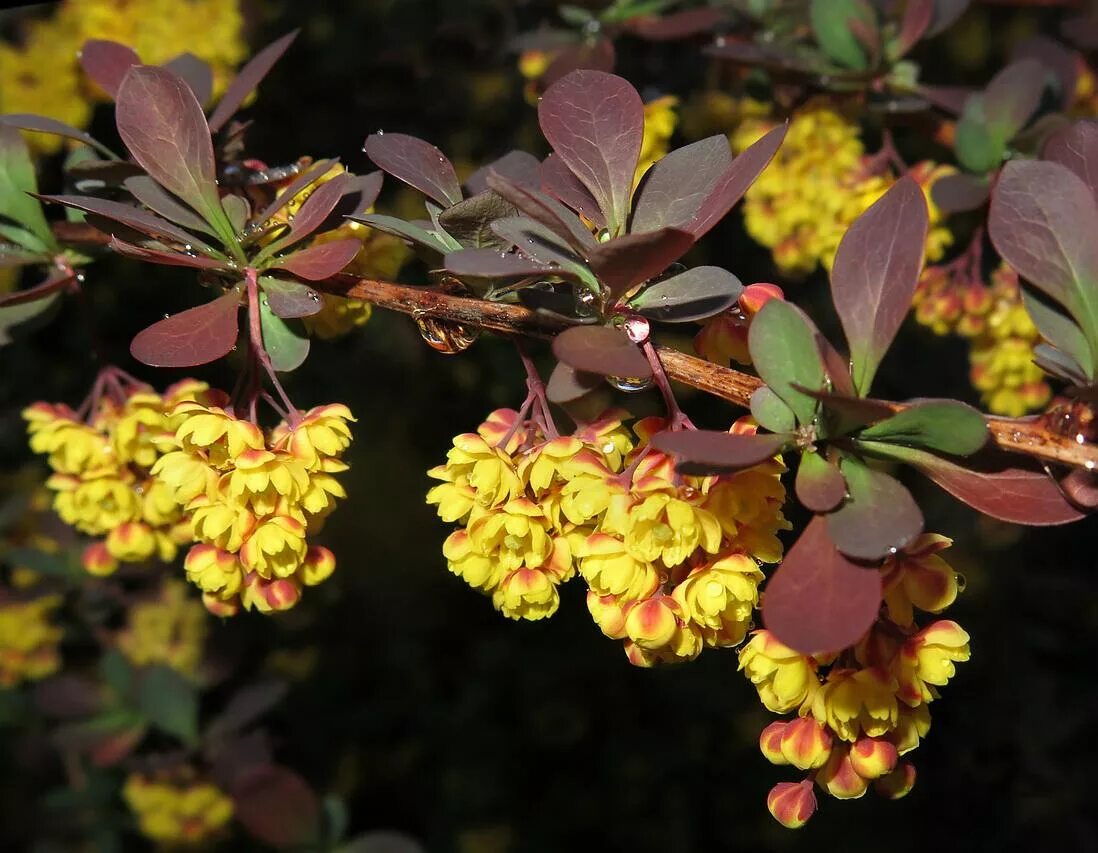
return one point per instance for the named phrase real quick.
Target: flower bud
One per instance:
(755, 296)
(318, 565)
(770, 742)
(792, 803)
(898, 783)
(270, 595)
(805, 743)
(872, 757)
(651, 624)
(607, 612)
(223, 607)
(839, 777)
(97, 560)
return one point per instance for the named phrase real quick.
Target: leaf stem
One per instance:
(677, 418)
(259, 351)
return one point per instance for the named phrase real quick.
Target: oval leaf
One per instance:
(159, 256)
(718, 452)
(943, 425)
(959, 192)
(519, 167)
(878, 519)
(290, 298)
(277, 806)
(157, 199)
(692, 295)
(595, 123)
(783, 349)
(875, 273)
(470, 221)
(416, 162)
(132, 217)
(249, 77)
(819, 485)
(623, 262)
(106, 63)
(832, 25)
(168, 701)
(557, 180)
(676, 187)
(44, 124)
(818, 601)
(285, 342)
(602, 350)
(1061, 332)
(192, 337)
(320, 261)
(195, 73)
(1076, 147)
(1013, 96)
(566, 384)
(546, 210)
(771, 413)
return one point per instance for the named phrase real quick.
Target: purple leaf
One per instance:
(1017, 495)
(277, 807)
(419, 164)
(55, 282)
(676, 25)
(819, 485)
(602, 350)
(1061, 332)
(535, 241)
(596, 56)
(68, 696)
(1043, 222)
(959, 192)
(949, 98)
(492, 263)
(321, 261)
(566, 385)
(698, 293)
(315, 209)
(44, 124)
(853, 411)
(290, 298)
(769, 56)
(626, 261)
(1063, 62)
(557, 180)
(106, 63)
(305, 179)
(1013, 95)
(676, 187)
(546, 210)
(167, 258)
(471, 221)
(246, 706)
(717, 451)
(516, 166)
(917, 17)
(163, 126)
(131, 217)
(195, 73)
(192, 337)
(875, 274)
(879, 517)
(248, 78)
(595, 123)
(1076, 147)
(731, 185)
(945, 13)
(818, 601)
(364, 190)
(158, 200)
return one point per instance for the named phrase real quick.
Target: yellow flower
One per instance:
(610, 569)
(527, 594)
(214, 571)
(211, 430)
(322, 433)
(719, 598)
(485, 468)
(927, 660)
(170, 629)
(139, 429)
(660, 120)
(169, 813)
(658, 632)
(187, 476)
(72, 447)
(662, 527)
(856, 702)
(785, 679)
(276, 548)
(28, 641)
(260, 479)
(133, 541)
(219, 523)
(918, 578)
(468, 563)
(514, 535)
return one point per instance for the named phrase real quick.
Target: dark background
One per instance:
(432, 714)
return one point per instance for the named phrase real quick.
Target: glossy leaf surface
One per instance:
(698, 293)
(602, 350)
(947, 426)
(196, 336)
(819, 485)
(285, 341)
(719, 451)
(416, 162)
(321, 260)
(878, 519)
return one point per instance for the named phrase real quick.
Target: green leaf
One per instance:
(16, 180)
(943, 425)
(768, 409)
(23, 237)
(284, 340)
(117, 672)
(1060, 331)
(783, 348)
(831, 24)
(168, 701)
(979, 147)
(878, 519)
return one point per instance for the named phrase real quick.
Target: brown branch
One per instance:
(1026, 437)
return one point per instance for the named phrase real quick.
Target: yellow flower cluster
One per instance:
(670, 561)
(42, 73)
(173, 813)
(169, 629)
(28, 640)
(818, 183)
(102, 481)
(253, 499)
(859, 710)
(1001, 334)
(660, 121)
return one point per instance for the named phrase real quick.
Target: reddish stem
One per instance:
(259, 351)
(676, 417)
(536, 393)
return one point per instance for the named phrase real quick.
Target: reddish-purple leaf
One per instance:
(1043, 222)
(1076, 146)
(566, 385)
(1082, 487)
(875, 273)
(289, 299)
(945, 13)
(595, 123)
(676, 25)
(819, 601)
(321, 261)
(132, 218)
(717, 451)
(492, 263)
(1063, 62)
(163, 126)
(276, 806)
(160, 201)
(913, 25)
(558, 180)
(535, 241)
(1017, 495)
(602, 350)
(160, 256)
(853, 411)
(192, 337)
(546, 210)
(770, 56)
(315, 209)
(44, 124)
(106, 63)
(246, 706)
(626, 261)
(419, 164)
(516, 166)
(730, 186)
(959, 192)
(676, 187)
(595, 56)
(1013, 96)
(836, 366)
(55, 282)
(309, 176)
(698, 293)
(68, 696)
(879, 517)
(819, 485)
(248, 78)
(195, 73)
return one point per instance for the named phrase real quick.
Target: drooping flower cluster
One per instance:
(177, 813)
(253, 498)
(29, 641)
(671, 562)
(818, 183)
(170, 629)
(952, 300)
(102, 480)
(859, 711)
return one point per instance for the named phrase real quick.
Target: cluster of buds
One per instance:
(252, 499)
(169, 629)
(102, 458)
(29, 641)
(818, 183)
(860, 710)
(671, 562)
(177, 812)
(953, 299)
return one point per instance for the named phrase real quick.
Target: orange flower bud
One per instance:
(839, 777)
(651, 624)
(318, 565)
(792, 803)
(770, 742)
(872, 757)
(607, 613)
(755, 296)
(805, 743)
(898, 783)
(221, 606)
(97, 560)
(270, 595)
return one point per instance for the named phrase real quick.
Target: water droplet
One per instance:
(638, 329)
(1090, 465)
(721, 41)
(81, 278)
(608, 447)
(445, 337)
(380, 132)
(630, 384)
(1080, 438)
(961, 580)
(166, 316)
(139, 490)
(187, 247)
(893, 551)
(314, 296)
(234, 348)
